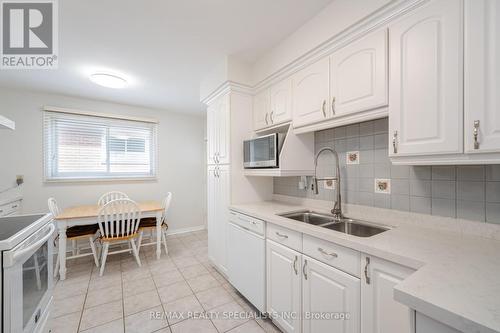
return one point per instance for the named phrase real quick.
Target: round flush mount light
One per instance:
(108, 80)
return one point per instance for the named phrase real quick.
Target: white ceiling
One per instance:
(164, 47)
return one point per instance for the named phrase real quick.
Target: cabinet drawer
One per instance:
(287, 237)
(332, 254)
(247, 222)
(10, 208)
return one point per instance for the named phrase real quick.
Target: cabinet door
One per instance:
(380, 313)
(281, 102)
(261, 117)
(211, 212)
(283, 286)
(222, 215)
(327, 290)
(482, 75)
(223, 130)
(311, 94)
(358, 75)
(211, 133)
(425, 324)
(426, 81)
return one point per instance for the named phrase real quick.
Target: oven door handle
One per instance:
(39, 243)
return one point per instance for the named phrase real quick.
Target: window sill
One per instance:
(99, 180)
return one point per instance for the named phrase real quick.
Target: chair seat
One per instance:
(150, 222)
(82, 230)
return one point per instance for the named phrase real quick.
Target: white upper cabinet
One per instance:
(426, 81)
(328, 290)
(358, 75)
(281, 102)
(381, 313)
(311, 94)
(218, 131)
(482, 76)
(261, 106)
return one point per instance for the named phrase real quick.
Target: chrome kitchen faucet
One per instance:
(337, 208)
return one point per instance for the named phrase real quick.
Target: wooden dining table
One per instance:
(87, 214)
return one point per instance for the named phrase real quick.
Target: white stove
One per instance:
(27, 279)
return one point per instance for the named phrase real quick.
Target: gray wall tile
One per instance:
(443, 173)
(471, 210)
(443, 207)
(471, 192)
(420, 205)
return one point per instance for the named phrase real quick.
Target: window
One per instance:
(83, 146)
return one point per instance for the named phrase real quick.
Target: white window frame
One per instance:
(48, 178)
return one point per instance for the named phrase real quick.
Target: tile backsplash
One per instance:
(468, 192)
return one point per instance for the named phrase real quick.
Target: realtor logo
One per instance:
(29, 34)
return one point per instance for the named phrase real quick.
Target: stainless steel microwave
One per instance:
(263, 151)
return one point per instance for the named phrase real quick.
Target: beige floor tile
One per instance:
(141, 302)
(65, 289)
(146, 321)
(101, 314)
(194, 326)
(248, 327)
(167, 278)
(228, 316)
(67, 305)
(103, 296)
(203, 282)
(182, 309)
(105, 281)
(214, 297)
(162, 266)
(267, 325)
(190, 272)
(65, 324)
(174, 291)
(164, 330)
(116, 326)
(135, 287)
(136, 274)
(178, 252)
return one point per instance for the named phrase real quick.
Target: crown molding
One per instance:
(225, 88)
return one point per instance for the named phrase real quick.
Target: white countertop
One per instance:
(457, 281)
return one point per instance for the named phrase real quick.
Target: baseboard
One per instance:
(185, 230)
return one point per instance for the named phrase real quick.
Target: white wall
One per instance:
(332, 20)
(181, 158)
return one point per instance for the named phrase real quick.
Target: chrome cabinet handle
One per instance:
(323, 108)
(394, 142)
(304, 269)
(267, 122)
(333, 254)
(476, 133)
(367, 278)
(271, 117)
(281, 235)
(333, 105)
(295, 265)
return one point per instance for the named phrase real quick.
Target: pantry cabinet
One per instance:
(426, 84)
(284, 280)
(218, 187)
(310, 94)
(218, 125)
(359, 75)
(482, 76)
(327, 291)
(380, 313)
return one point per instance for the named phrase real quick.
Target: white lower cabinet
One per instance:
(380, 313)
(330, 299)
(284, 279)
(425, 324)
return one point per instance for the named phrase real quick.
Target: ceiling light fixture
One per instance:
(108, 80)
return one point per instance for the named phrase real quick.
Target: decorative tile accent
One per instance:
(382, 186)
(352, 157)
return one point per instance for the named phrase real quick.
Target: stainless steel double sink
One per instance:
(345, 225)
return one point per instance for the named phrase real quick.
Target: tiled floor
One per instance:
(157, 297)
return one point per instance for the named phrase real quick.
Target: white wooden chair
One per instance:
(75, 233)
(110, 196)
(118, 223)
(149, 223)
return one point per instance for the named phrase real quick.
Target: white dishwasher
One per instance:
(246, 258)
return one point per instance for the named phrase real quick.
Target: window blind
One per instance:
(78, 146)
